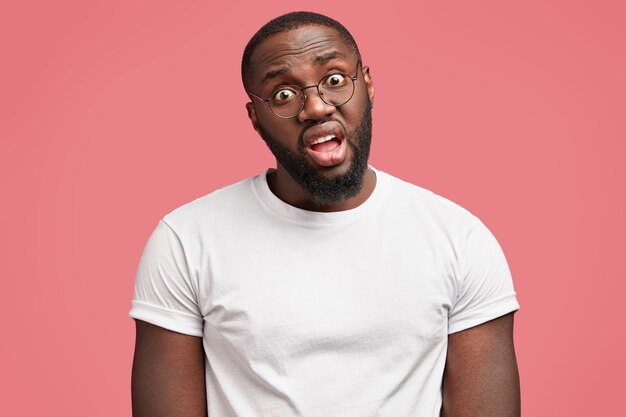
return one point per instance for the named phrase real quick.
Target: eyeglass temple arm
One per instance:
(356, 75)
(266, 100)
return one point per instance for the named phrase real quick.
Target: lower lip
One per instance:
(332, 158)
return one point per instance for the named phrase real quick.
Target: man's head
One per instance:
(304, 61)
(285, 23)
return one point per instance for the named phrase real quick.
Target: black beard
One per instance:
(324, 191)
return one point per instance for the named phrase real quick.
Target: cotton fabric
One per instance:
(322, 314)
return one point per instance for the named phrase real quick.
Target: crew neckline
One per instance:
(294, 214)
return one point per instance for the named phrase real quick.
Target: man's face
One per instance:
(331, 171)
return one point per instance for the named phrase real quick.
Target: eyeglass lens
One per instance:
(334, 89)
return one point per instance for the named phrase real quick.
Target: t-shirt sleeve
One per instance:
(165, 292)
(485, 287)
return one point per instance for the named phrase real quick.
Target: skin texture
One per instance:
(168, 376)
(295, 55)
(481, 377)
(325, 191)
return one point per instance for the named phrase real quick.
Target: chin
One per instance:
(332, 184)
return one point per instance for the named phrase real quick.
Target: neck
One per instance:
(285, 188)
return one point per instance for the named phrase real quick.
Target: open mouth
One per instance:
(326, 143)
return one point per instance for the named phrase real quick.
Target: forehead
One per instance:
(299, 46)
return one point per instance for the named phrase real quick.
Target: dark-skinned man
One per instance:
(323, 287)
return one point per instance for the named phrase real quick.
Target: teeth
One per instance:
(322, 139)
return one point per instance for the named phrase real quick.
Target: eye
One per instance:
(334, 80)
(283, 95)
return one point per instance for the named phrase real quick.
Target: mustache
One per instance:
(319, 122)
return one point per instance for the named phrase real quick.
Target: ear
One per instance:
(252, 116)
(368, 83)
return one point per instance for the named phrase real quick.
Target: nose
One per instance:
(314, 107)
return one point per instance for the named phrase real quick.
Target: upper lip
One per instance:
(313, 133)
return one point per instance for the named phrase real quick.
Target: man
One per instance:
(323, 287)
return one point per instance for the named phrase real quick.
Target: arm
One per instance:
(168, 374)
(481, 377)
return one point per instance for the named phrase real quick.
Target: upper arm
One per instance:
(481, 376)
(168, 376)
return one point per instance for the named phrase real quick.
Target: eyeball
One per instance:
(284, 94)
(334, 80)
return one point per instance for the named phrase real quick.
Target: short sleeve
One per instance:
(165, 293)
(485, 287)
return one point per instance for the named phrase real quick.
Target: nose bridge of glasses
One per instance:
(316, 86)
(314, 107)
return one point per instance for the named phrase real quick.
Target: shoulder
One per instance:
(425, 205)
(213, 208)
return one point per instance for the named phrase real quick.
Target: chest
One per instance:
(340, 291)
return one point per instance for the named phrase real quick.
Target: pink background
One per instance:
(114, 113)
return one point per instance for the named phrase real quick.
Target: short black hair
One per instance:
(286, 23)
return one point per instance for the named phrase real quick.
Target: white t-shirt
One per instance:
(342, 314)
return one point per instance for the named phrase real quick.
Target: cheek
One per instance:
(353, 110)
(283, 131)
(264, 115)
(361, 94)
(353, 113)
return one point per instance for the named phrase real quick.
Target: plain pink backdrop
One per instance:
(114, 113)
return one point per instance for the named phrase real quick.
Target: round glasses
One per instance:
(287, 101)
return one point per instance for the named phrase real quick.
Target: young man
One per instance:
(322, 287)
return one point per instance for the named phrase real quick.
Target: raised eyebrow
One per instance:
(324, 58)
(319, 60)
(275, 73)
